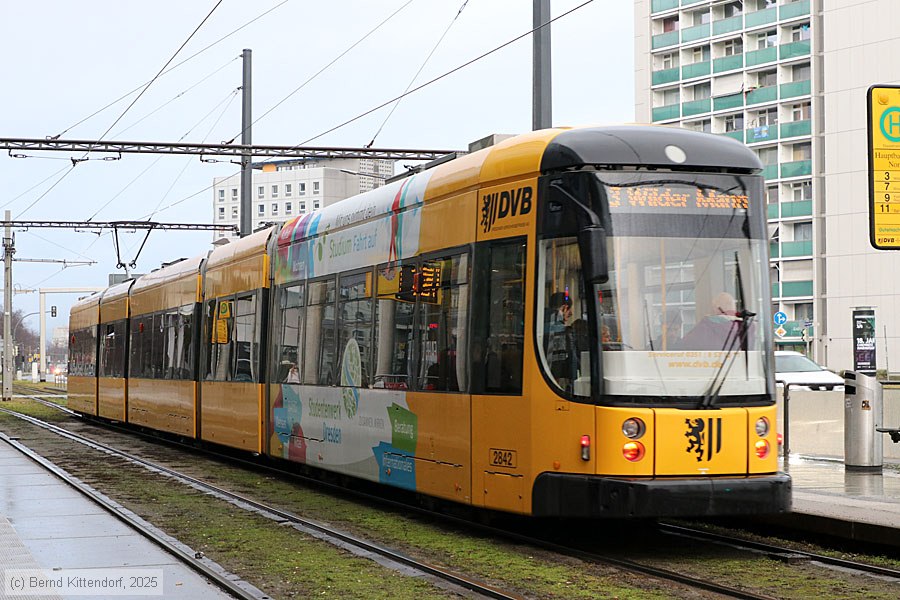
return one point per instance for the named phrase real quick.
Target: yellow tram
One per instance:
(568, 323)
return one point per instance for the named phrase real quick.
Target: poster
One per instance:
(864, 340)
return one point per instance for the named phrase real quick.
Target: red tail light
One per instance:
(762, 448)
(633, 451)
(585, 447)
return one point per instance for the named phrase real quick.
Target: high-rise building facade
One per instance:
(284, 189)
(788, 78)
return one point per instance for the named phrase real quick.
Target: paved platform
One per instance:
(46, 524)
(830, 498)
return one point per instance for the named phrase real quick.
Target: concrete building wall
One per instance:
(861, 43)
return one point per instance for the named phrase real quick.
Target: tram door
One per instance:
(500, 415)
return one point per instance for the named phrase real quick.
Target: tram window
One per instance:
(355, 311)
(177, 343)
(318, 364)
(112, 349)
(290, 337)
(245, 343)
(84, 347)
(394, 327)
(563, 334)
(442, 290)
(157, 351)
(506, 320)
(221, 334)
(136, 358)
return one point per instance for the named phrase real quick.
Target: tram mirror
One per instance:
(592, 243)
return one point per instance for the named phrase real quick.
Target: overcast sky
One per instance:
(65, 60)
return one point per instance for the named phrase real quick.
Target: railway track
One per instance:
(224, 580)
(361, 547)
(584, 554)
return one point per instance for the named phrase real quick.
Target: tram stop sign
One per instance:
(883, 103)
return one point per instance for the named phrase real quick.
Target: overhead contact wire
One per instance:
(416, 76)
(323, 69)
(189, 58)
(146, 87)
(439, 77)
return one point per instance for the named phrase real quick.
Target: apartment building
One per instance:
(788, 78)
(284, 189)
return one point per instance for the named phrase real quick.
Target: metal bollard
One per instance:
(863, 414)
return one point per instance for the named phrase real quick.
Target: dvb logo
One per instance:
(500, 205)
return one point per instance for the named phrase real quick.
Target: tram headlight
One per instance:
(762, 448)
(633, 428)
(633, 451)
(762, 427)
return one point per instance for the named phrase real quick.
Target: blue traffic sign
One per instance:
(780, 318)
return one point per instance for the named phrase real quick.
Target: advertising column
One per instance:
(864, 340)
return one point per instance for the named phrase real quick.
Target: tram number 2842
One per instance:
(503, 458)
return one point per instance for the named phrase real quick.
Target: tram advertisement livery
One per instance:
(569, 323)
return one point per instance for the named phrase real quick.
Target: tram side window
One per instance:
(394, 326)
(177, 342)
(112, 352)
(442, 291)
(355, 312)
(246, 367)
(318, 364)
(221, 313)
(506, 321)
(563, 333)
(289, 351)
(83, 354)
(136, 347)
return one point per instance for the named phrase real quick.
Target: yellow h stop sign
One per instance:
(884, 166)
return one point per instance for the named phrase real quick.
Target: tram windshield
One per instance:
(682, 314)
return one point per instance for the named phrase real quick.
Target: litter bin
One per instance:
(863, 412)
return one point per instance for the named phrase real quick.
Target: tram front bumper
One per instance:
(592, 496)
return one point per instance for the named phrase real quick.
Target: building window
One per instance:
(766, 78)
(732, 9)
(221, 213)
(302, 188)
(287, 190)
(315, 187)
(772, 194)
(734, 122)
(800, 72)
(274, 208)
(315, 205)
(234, 212)
(261, 209)
(302, 206)
(234, 194)
(672, 96)
(802, 151)
(261, 191)
(801, 191)
(221, 195)
(768, 156)
(767, 117)
(670, 24)
(274, 191)
(700, 54)
(288, 208)
(670, 61)
(701, 17)
(800, 32)
(767, 39)
(734, 47)
(803, 311)
(803, 231)
(702, 91)
(800, 112)
(705, 126)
